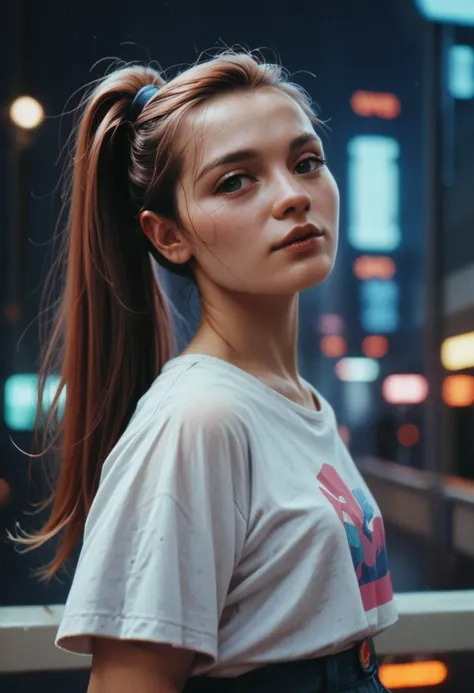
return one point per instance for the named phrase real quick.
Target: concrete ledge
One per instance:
(429, 622)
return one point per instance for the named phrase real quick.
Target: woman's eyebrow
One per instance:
(242, 155)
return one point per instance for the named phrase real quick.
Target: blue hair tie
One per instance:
(142, 97)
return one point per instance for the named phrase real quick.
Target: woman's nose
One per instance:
(291, 199)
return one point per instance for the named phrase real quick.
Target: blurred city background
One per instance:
(388, 339)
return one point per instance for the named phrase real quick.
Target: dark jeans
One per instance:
(353, 671)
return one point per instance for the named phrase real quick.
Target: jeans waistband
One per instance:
(328, 673)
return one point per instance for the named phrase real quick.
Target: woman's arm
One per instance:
(127, 666)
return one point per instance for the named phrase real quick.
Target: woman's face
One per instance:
(254, 170)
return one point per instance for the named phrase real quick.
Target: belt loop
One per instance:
(332, 674)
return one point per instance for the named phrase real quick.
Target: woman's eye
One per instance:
(310, 164)
(233, 184)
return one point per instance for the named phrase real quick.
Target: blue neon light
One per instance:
(451, 11)
(20, 399)
(461, 72)
(379, 305)
(374, 223)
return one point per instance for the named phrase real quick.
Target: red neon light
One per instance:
(369, 104)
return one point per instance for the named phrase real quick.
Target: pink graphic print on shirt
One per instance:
(365, 534)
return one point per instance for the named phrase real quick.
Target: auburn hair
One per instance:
(112, 331)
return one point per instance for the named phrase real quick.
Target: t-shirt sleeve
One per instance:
(163, 535)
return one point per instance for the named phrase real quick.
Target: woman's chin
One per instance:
(312, 274)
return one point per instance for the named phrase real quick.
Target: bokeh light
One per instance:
(5, 493)
(458, 390)
(331, 323)
(357, 370)
(375, 346)
(374, 266)
(27, 113)
(405, 389)
(408, 435)
(458, 352)
(333, 346)
(413, 674)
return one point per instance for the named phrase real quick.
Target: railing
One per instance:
(397, 488)
(429, 622)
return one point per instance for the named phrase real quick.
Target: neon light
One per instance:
(458, 352)
(375, 104)
(357, 370)
(413, 674)
(451, 11)
(375, 346)
(333, 346)
(461, 72)
(458, 390)
(20, 397)
(374, 194)
(410, 388)
(379, 305)
(374, 266)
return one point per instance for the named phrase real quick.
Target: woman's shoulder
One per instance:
(190, 390)
(182, 415)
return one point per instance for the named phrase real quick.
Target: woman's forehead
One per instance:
(242, 120)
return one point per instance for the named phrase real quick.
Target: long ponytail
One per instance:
(112, 332)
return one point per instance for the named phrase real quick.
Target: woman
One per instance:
(230, 543)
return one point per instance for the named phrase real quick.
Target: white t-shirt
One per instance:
(231, 521)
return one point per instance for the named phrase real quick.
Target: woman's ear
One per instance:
(166, 236)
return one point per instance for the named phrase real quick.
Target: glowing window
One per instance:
(461, 72)
(379, 306)
(456, 11)
(374, 194)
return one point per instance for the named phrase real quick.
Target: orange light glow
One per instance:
(405, 389)
(375, 346)
(374, 267)
(333, 346)
(458, 390)
(371, 103)
(408, 435)
(413, 675)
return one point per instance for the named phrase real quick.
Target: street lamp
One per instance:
(26, 113)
